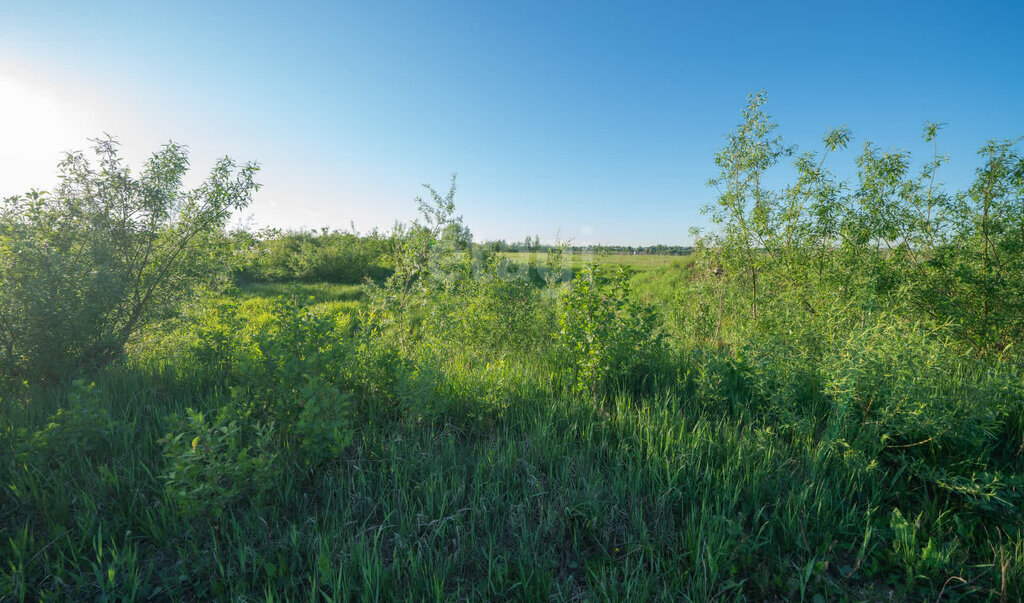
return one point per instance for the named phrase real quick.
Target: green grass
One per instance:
(320, 292)
(331, 297)
(657, 278)
(479, 478)
(551, 498)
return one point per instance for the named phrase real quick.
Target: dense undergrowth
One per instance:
(311, 257)
(473, 426)
(328, 462)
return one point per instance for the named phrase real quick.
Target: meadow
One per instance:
(579, 261)
(823, 402)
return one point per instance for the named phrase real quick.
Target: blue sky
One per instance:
(596, 121)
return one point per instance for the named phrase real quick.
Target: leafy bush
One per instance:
(337, 257)
(504, 313)
(293, 381)
(324, 425)
(974, 271)
(606, 337)
(285, 362)
(211, 465)
(84, 267)
(490, 313)
(427, 265)
(905, 387)
(82, 430)
(213, 334)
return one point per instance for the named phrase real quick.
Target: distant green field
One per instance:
(657, 277)
(637, 262)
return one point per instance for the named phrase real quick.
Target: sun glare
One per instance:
(36, 125)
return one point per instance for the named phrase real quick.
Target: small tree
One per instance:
(976, 276)
(426, 261)
(748, 212)
(893, 236)
(84, 267)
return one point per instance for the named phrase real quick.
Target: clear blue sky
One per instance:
(595, 120)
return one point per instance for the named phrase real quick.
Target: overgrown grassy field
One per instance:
(475, 474)
(824, 402)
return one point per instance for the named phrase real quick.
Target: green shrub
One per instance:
(336, 257)
(324, 425)
(214, 334)
(490, 313)
(606, 337)
(294, 381)
(82, 430)
(285, 362)
(895, 236)
(85, 267)
(212, 465)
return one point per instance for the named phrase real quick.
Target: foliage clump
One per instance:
(81, 430)
(211, 465)
(607, 338)
(292, 381)
(879, 317)
(326, 256)
(893, 240)
(86, 266)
